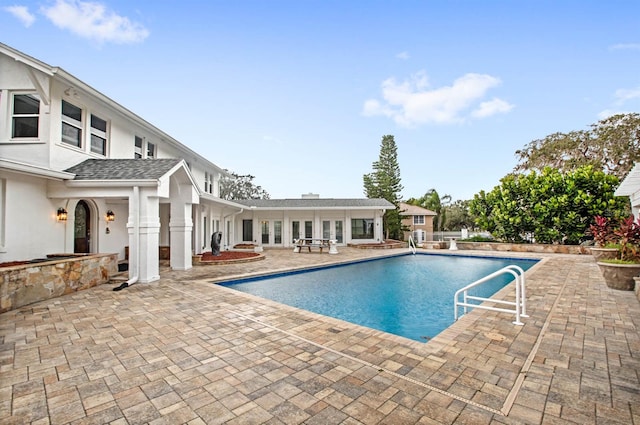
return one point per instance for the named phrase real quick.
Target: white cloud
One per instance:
(492, 107)
(93, 21)
(413, 102)
(626, 46)
(623, 95)
(22, 13)
(403, 55)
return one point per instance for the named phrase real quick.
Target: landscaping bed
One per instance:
(228, 257)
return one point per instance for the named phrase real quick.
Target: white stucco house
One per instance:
(630, 187)
(81, 173)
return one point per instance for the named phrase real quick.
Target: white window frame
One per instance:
(14, 115)
(151, 150)
(99, 133)
(137, 150)
(418, 219)
(210, 181)
(72, 122)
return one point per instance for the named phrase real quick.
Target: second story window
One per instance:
(151, 150)
(208, 182)
(25, 116)
(418, 219)
(98, 135)
(71, 124)
(137, 149)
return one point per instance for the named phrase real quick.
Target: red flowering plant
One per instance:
(627, 238)
(602, 231)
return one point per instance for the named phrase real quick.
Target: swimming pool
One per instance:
(406, 295)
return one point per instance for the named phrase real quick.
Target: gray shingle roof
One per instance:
(122, 169)
(317, 203)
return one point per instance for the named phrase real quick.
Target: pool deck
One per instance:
(182, 350)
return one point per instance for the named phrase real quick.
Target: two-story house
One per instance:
(418, 221)
(81, 173)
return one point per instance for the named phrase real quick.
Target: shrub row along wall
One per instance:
(29, 283)
(516, 247)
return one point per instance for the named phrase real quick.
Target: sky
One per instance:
(299, 93)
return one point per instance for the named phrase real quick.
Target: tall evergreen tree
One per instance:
(384, 182)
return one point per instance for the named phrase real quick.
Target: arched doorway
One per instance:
(82, 230)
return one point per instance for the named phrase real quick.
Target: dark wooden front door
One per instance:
(82, 232)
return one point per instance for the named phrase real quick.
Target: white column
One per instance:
(181, 227)
(144, 217)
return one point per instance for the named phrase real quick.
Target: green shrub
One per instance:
(478, 238)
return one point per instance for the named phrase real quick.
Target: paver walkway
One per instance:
(182, 350)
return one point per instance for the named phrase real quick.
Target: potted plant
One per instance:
(602, 232)
(619, 272)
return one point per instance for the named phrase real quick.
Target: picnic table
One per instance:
(319, 243)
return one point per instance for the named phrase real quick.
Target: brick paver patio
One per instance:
(182, 350)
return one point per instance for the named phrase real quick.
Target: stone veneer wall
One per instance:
(29, 283)
(518, 247)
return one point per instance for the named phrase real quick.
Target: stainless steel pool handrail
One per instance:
(412, 244)
(520, 303)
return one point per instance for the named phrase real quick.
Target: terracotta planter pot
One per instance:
(619, 276)
(600, 254)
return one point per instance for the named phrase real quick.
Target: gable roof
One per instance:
(326, 203)
(631, 183)
(408, 209)
(122, 169)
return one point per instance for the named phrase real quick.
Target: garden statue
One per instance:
(215, 243)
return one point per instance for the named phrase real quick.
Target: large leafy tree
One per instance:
(459, 216)
(611, 145)
(384, 182)
(236, 186)
(548, 207)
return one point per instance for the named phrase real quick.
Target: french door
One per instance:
(271, 232)
(333, 229)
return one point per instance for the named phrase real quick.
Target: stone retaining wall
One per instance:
(517, 247)
(29, 283)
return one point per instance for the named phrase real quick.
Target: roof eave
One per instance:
(34, 170)
(113, 183)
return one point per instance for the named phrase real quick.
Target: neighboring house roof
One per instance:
(408, 209)
(327, 203)
(122, 169)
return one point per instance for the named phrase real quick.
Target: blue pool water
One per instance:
(408, 295)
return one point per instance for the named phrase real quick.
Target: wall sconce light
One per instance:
(61, 214)
(110, 216)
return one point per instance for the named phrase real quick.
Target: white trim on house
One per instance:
(630, 187)
(34, 170)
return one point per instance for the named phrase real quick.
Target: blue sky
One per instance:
(300, 93)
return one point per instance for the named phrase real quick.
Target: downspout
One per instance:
(136, 230)
(224, 218)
